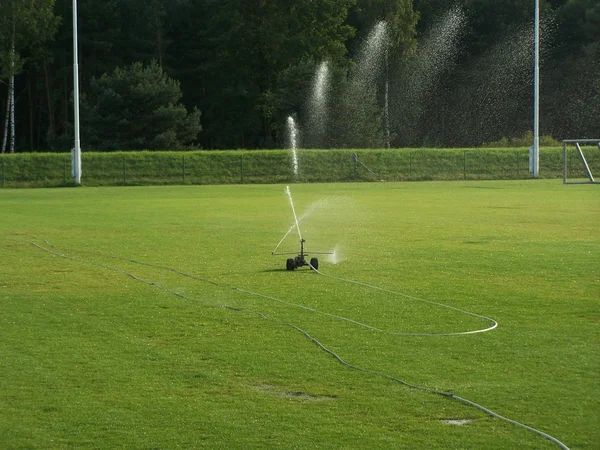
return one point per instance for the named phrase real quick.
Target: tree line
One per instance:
(214, 74)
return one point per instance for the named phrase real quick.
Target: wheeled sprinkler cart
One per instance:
(300, 259)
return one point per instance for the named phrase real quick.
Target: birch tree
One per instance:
(24, 26)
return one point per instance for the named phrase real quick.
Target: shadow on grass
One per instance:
(307, 270)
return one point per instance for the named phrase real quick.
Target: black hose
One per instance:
(303, 332)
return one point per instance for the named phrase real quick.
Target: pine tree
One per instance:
(135, 108)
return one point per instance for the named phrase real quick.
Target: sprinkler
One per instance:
(300, 259)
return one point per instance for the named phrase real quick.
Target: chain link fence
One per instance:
(275, 166)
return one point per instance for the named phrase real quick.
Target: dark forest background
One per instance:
(221, 74)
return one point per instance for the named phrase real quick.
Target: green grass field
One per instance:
(103, 346)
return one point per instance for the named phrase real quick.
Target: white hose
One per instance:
(483, 330)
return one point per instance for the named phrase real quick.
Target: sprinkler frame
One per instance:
(300, 259)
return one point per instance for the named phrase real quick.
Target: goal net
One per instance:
(581, 160)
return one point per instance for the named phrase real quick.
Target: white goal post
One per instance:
(578, 143)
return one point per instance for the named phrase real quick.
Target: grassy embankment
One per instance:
(275, 166)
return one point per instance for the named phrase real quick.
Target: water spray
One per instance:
(289, 194)
(300, 259)
(293, 135)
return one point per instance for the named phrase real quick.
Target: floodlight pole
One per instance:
(76, 154)
(536, 93)
(387, 98)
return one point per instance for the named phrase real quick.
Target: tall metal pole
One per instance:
(387, 98)
(536, 95)
(387, 77)
(76, 154)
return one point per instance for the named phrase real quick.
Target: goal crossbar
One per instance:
(586, 167)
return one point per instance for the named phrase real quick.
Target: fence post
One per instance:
(242, 168)
(124, 171)
(183, 168)
(565, 162)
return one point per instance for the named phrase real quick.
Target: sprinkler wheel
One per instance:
(300, 260)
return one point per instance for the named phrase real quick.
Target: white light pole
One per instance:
(76, 153)
(536, 93)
